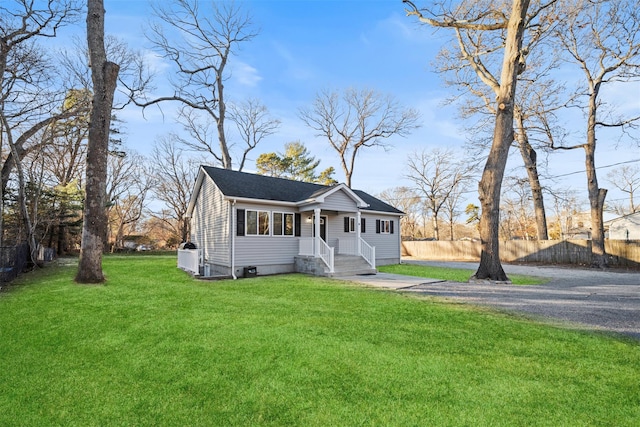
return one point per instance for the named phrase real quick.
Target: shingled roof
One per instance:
(251, 186)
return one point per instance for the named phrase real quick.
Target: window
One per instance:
(257, 223)
(277, 224)
(349, 224)
(266, 223)
(384, 226)
(283, 224)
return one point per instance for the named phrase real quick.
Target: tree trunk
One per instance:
(224, 148)
(436, 230)
(104, 75)
(529, 158)
(185, 229)
(491, 183)
(596, 195)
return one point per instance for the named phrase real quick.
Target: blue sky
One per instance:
(306, 46)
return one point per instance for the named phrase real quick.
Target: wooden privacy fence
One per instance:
(623, 253)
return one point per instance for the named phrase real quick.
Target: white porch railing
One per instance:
(326, 253)
(368, 252)
(188, 260)
(306, 247)
(358, 248)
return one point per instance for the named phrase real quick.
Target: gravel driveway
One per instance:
(587, 298)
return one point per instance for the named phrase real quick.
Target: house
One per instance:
(247, 224)
(626, 227)
(578, 226)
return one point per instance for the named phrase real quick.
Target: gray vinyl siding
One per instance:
(335, 229)
(210, 224)
(387, 245)
(339, 201)
(265, 250)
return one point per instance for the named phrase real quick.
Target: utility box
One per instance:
(250, 272)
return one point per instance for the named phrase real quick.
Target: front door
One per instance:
(323, 227)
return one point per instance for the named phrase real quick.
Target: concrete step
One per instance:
(348, 265)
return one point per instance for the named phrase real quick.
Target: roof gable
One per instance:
(234, 184)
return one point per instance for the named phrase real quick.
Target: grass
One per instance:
(452, 274)
(155, 347)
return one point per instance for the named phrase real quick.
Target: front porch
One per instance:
(348, 252)
(351, 257)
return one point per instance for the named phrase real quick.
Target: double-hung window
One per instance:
(283, 224)
(384, 226)
(258, 223)
(352, 224)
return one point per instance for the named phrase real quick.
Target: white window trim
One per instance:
(293, 224)
(353, 223)
(258, 212)
(385, 226)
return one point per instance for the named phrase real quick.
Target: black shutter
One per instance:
(346, 224)
(240, 222)
(377, 226)
(297, 225)
(391, 226)
(363, 225)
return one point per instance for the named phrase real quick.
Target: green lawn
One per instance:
(452, 274)
(154, 347)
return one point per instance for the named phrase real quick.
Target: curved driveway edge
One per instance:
(586, 298)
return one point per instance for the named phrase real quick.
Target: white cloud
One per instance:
(245, 74)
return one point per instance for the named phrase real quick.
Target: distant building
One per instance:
(626, 227)
(579, 226)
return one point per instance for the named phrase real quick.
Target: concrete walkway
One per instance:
(582, 298)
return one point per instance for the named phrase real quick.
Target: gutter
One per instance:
(260, 201)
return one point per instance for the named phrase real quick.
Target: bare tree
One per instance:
(104, 75)
(602, 38)
(200, 57)
(438, 178)
(175, 175)
(356, 119)
(65, 146)
(126, 211)
(29, 95)
(485, 17)
(565, 205)
(534, 105)
(517, 219)
(626, 179)
(254, 124)
(451, 207)
(405, 199)
(128, 185)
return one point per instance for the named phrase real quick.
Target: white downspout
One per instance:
(233, 239)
